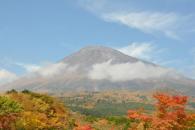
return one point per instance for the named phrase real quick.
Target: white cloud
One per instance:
(6, 76)
(139, 50)
(126, 71)
(170, 24)
(29, 67)
(46, 69)
(146, 51)
(148, 22)
(54, 70)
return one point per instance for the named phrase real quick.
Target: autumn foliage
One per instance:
(9, 112)
(170, 114)
(32, 111)
(84, 127)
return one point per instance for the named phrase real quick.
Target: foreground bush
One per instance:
(9, 112)
(170, 115)
(32, 111)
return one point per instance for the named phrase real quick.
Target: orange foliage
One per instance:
(84, 127)
(170, 114)
(7, 120)
(137, 115)
(40, 112)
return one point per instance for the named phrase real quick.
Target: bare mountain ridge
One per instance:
(91, 55)
(97, 54)
(97, 68)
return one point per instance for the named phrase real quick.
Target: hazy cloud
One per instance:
(191, 68)
(126, 71)
(6, 76)
(54, 69)
(170, 24)
(146, 51)
(193, 72)
(46, 69)
(29, 67)
(94, 6)
(139, 50)
(148, 22)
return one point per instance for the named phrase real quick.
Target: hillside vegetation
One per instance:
(32, 111)
(112, 103)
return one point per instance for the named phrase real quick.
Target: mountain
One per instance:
(97, 68)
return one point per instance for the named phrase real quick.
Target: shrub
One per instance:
(170, 114)
(9, 112)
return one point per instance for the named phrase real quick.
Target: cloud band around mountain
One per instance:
(126, 71)
(6, 76)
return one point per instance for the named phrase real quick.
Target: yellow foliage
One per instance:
(41, 112)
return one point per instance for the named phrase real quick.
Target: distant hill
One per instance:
(97, 68)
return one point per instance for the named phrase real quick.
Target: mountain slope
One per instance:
(97, 68)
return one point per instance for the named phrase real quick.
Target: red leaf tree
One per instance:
(84, 127)
(170, 114)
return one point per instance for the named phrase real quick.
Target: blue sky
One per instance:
(37, 32)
